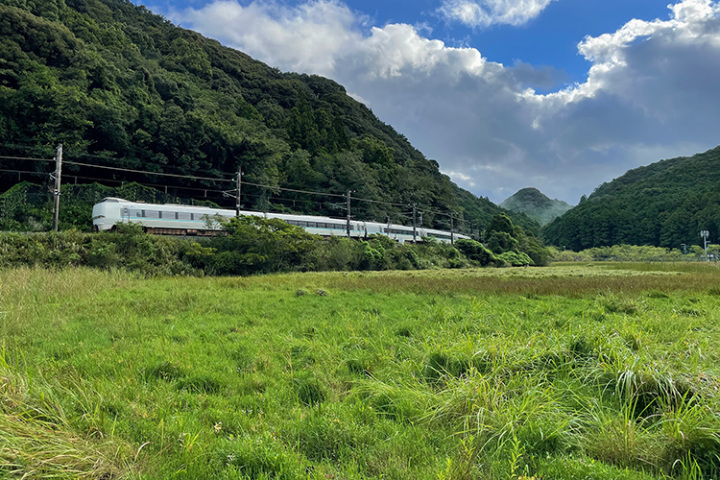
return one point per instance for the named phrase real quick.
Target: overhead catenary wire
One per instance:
(214, 179)
(30, 159)
(173, 175)
(174, 187)
(80, 156)
(367, 200)
(28, 172)
(211, 179)
(15, 146)
(284, 189)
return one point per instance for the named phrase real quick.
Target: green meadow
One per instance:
(594, 371)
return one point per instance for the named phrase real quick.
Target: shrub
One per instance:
(335, 254)
(475, 251)
(500, 242)
(515, 259)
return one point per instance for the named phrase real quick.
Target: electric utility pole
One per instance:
(452, 230)
(56, 191)
(348, 212)
(705, 234)
(414, 205)
(238, 186)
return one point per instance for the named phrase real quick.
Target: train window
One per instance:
(183, 216)
(439, 235)
(151, 214)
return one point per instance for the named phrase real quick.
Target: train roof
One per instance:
(275, 214)
(316, 218)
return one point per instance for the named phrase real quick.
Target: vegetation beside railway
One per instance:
(600, 371)
(255, 245)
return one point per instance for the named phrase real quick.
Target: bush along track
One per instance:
(251, 245)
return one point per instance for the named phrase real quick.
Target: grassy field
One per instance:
(568, 372)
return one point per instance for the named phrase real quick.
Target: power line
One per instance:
(294, 190)
(25, 147)
(175, 187)
(191, 177)
(31, 159)
(445, 214)
(23, 171)
(198, 178)
(113, 159)
(367, 200)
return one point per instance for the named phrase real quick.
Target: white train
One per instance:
(171, 219)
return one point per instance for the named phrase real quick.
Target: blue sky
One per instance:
(561, 95)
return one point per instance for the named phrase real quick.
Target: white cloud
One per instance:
(651, 88)
(399, 48)
(484, 13)
(459, 177)
(308, 37)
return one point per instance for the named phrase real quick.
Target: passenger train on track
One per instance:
(171, 219)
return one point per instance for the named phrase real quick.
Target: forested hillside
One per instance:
(119, 86)
(665, 204)
(536, 205)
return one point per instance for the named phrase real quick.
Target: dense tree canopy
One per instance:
(665, 204)
(122, 87)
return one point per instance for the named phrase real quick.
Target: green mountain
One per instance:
(121, 87)
(535, 205)
(664, 204)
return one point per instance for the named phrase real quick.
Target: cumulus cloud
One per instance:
(308, 37)
(649, 92)
(484, 13)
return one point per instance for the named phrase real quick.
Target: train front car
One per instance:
(106, 214)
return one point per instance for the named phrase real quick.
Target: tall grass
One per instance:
(563, 373)
(38, 440)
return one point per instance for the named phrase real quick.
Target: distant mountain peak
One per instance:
(536, 205)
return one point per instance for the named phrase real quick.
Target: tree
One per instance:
(258, 245)
(500, 242)
(475, 251)
(501, 223)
